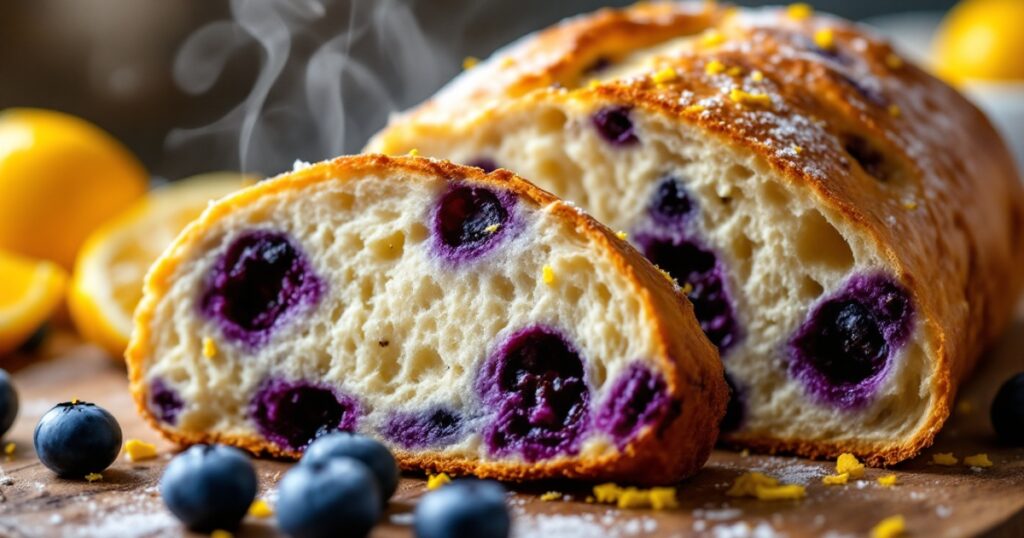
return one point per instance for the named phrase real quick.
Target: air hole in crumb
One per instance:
(810, 288)
(573, 294)
(502, 287)
(418, 233)
(775, 194)
(551, 119)
(341, 201)
(427, 293)
(424, 361)
(738, 173)
(742, 247)
(819, 243)
(389, 247)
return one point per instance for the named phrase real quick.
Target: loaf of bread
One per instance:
(472, 322)
(847, 227)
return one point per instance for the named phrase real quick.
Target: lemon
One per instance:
(60, 178)
(107, 282)
(982, 39)
(31, 291)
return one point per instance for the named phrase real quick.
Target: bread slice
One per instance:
(472, 322)
(847, 226)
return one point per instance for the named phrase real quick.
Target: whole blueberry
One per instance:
(1008, 410)
(372, 453)
(8, 402)
(209, 487)
(77, 438)
(338, 496)
(463, 508)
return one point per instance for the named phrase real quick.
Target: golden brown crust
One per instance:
(689, 362)
(947, 213)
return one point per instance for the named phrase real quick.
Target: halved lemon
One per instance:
(107, 281)
(31, 291)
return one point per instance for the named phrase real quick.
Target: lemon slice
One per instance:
(981, 39)
(31, 291)
(107, 281)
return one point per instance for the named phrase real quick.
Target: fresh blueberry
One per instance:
(463, 508)
(615, 126)
(469, 218)
(77, 438)
(8, 402)
(369, 451)
(337, 496)
(209, 487)
(1008, 410)
(670, 201)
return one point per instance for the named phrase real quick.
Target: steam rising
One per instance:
(330, 73)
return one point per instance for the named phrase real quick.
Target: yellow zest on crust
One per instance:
(656, 498)
(798, 149)
(92, 477)
(209, 348)
(668, 74)
(686, 289)
(892, 61)
(413, 152)
(978, 460)
(714, 67)
(734, 71)
(848, 463)
(909, 205)
(712, 37)
(548, 275)
(136, 450)
(261, 509)
(593, 83)
(507, 62)
(894, 111)
(887, 480)
(825, 38)
(621, 235)
(750, 99)
(492, 228)
(756, 76)
(551, 496)
(435, 481)
(799, 11)
(944, 458)
(695, 109)
(835, 479)
(890, 527)
(469, 62)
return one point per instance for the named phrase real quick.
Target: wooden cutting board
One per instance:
(936, 501)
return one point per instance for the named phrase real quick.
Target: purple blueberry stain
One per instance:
(469, 221)
(670, 203)
(261, 278)
(845, 347)
(702, 276)
(423, 429)
(486, 164)
(294, 413)
(535, 385)
(164, 401)
(615, 126)
(638, 398)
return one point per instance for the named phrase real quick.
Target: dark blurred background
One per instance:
(193, 86)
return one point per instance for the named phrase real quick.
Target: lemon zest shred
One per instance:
(93, 477)
(469, 62)
(944, 458)
(750, 99)
(848, 463)
(887, 480)
(799, 11)
(714, 67)
(835, 479)
(209, 348)
(136, 450)
(890, 527)
(548, 275)
(825, 38)
(260, 509)
(435, 481)
(978, 460)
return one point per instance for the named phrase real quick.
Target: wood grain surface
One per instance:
(936, 501)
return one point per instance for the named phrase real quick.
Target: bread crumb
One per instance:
(92, 477)
(890, 527)
(799, 11)
(712, 37)
(435, 481)
(835, 480)
(551, 496)
(667, 74)
(750, 99)
(978, 460)
(944, 458)
(261, 509)
(469, 62)
(548, 275)
(757, 76)
(893, 61)
(209, 348)
(136, 450)
(848, 463)
(825, 38)
(714, 67)
(887, 480)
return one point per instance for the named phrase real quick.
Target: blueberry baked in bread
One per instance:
(847, 227)
(472, 322)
